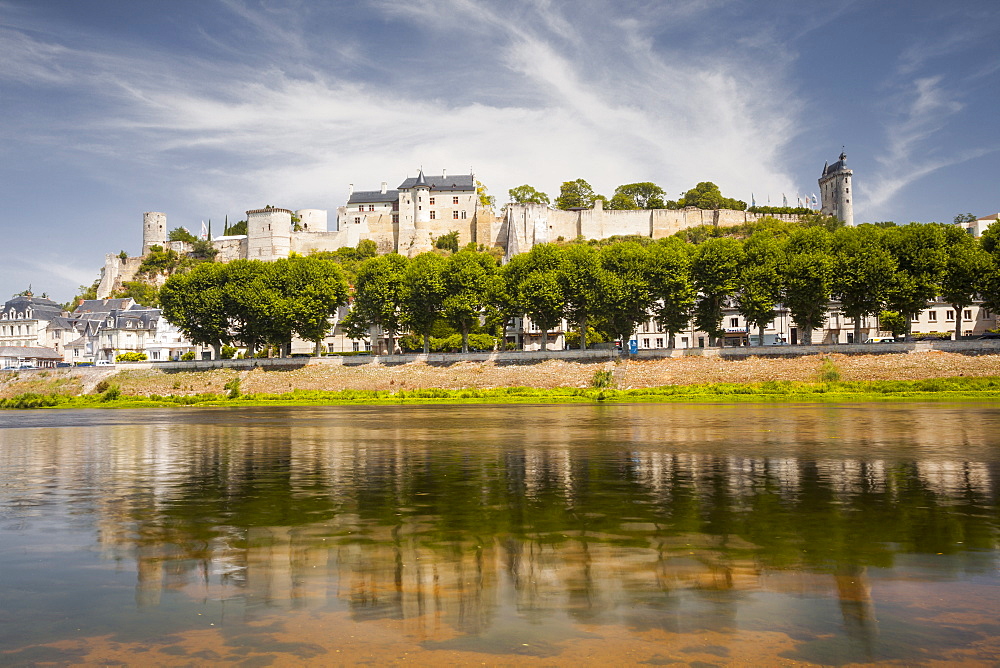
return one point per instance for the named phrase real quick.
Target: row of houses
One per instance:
(36, 331)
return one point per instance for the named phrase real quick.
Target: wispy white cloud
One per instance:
(602, 102)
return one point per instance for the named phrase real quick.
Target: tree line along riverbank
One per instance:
(854, 377)
(602, 289)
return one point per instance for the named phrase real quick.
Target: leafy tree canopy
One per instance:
(706, 195)
(576, 195)
(181, 234)
(644, 195)
(527, 195)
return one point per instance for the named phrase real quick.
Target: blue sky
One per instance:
(203, 109)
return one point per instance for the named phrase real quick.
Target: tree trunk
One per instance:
(807, 336)
(465, 338)
(958, 321)
(427, 344)
(545, 339)
(760, 335)
(583, 333)
(857, 329)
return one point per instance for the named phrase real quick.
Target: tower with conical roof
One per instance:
(421, 199)
(835, 190)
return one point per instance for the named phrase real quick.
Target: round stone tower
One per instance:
(835, 191)
(421, 199)
(269, 234)
(154, 230)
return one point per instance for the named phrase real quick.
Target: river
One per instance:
(657, 534)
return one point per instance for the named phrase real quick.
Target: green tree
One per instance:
(448, 242)
(194, 302)
(310, 292)
(236, 229)
(966, 273)
(965, 218)
(485, 200)
(716, 275)
(644, 195)
(863, 271)
(920, 254)
(623, 289)
(378, 296)
(706, 195)
(142, 292)
(760, 280)
(538, 287)
(469, 278)
(807, 278)
(422, 294)
(671, 285)
(989, 242)
(622, 202)
(527, 195)
(252, 304)
(181, 234)
(579, 278)
(575, 195)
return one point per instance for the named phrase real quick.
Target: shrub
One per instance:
(131, 356)
(112, 393)
(828, 371)
(227, 352)
(602, 379)
(188, 356)
(233, 388)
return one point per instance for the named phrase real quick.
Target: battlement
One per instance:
(254, 212)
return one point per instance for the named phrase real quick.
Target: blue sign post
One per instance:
(633, 346)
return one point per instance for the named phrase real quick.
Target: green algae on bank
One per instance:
(880, 390)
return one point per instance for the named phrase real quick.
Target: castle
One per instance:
(835, 190)
(409, 218)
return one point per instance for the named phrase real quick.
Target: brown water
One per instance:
(502, 535)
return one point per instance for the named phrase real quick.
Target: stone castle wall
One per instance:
(526, 225)
(271, 236)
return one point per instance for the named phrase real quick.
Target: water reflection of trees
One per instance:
(599, 517)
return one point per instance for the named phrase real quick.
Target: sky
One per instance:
(203, 109)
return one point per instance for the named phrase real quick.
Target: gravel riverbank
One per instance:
(483, 375)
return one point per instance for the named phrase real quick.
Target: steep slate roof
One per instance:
(42, 308)
(839, 166)
(102, 305)
(373, 197)
(451, 183)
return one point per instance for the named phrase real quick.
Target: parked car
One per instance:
(104, 363)
(881, 339)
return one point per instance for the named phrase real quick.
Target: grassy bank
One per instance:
(958, 388)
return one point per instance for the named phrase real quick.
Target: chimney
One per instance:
(350, 189)
(384, 185)
(444, 174)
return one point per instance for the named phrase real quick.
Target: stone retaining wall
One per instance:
(989, 347)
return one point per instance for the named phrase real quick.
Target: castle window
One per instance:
(454, 200)
(357, 220)
(371, 207)
(932, 316)
(463, 215)
(454, 215)
(395, 217)
(967, 314)
(432, 215)
(432, 200)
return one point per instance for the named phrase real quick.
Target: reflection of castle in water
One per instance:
(386, 517)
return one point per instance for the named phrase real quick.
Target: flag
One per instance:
(204, 230)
